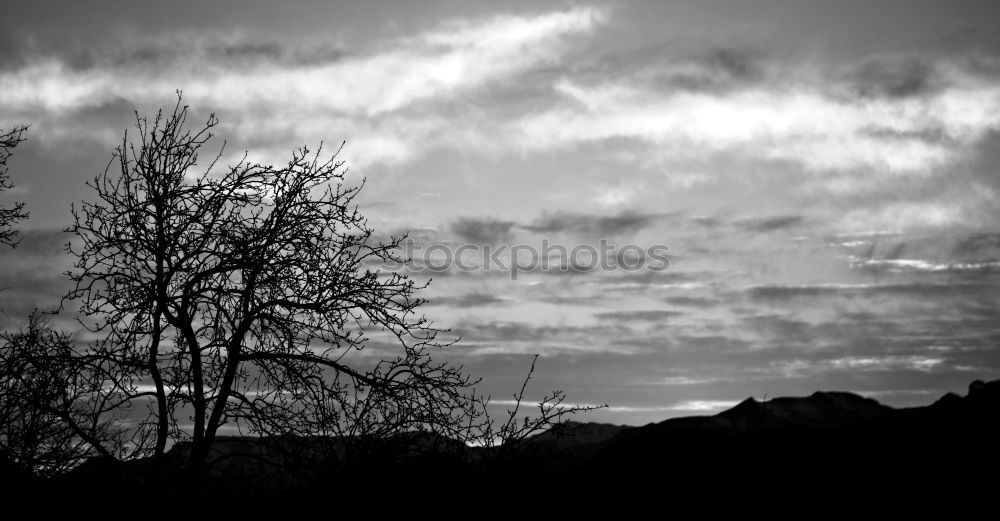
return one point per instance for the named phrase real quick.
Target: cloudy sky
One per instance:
(824, 175)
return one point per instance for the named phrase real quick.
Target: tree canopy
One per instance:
(238, 297)
(246, 300)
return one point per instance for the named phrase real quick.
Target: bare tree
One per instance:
(246, 300)
(49, 422)
(241, 298)
(9, 216)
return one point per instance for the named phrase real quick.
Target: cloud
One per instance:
(672, 381)
(860, 364)
(895, 77)
(920, 212)
(704, 405)
(983, 246)
(675, 66)
(504, 337)
(770, 224)
(514, 331)
(616, 196)
(265, 89)
(41, 244)
(808, 124)
(229, 51)
(985, 164)
(745, 160)
(736, 63)
(712, 342)
(463, 54)
(790, 293)
(468, 300)
(32, 277)
(641, 315)
(657, 279)
(594, 225)
(482, 230)
(694, 301)
(920, 265)
(781, 327)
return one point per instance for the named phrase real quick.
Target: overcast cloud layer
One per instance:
(829, 197)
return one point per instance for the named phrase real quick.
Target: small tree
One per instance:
(48, 421)
(9, 216)
(240, 298)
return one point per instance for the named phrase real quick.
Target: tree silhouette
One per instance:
(246, 300)
(9, 216)
(48, 423)
(240, 298)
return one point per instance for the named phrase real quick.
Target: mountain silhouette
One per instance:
(808, 445)
(820, 410)
(821, 446)
(571, 433)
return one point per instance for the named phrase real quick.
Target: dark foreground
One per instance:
(836, 446)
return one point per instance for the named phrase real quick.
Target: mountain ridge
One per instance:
(819, 410)
(807, 446)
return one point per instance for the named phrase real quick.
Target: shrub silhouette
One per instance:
(45, 426)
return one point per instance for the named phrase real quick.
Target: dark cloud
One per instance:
(422, 271)
(983, 308)
(643, 315)
(217, 53)
(12, 50)
(557, 266)
(593, 225)
(32, 275)
(695, 302)
(564, 300)
(738, 64)
(985, 168)
(510, 331)
(979, 247)
(707, 221)
(784, 293)
(760, 224)
(927, 135)
(770, 224)
(84, 35)
(649, 277)
(780, 294)
(417, 235)
(887, 341)
(704, 343)
(44, 243)
(164, 49)
(897, 251)
(569, 269)
(468, 300)
(895, 77)
(482, 230)
(784, 328)
(668, 66)
(28, 286)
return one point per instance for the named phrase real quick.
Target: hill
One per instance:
(825, 444)
(825, 441)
